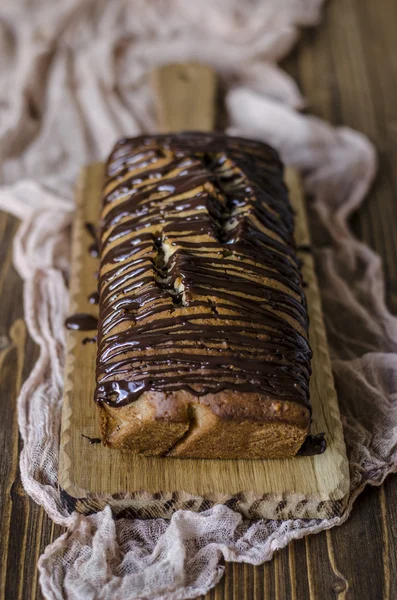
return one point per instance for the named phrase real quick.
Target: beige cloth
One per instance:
(73, 79)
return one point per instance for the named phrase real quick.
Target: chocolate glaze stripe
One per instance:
(200, 286)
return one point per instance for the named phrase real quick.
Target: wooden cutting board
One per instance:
(92, 476)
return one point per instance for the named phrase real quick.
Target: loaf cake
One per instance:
(203, 332)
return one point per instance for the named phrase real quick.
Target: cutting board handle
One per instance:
(185, 96)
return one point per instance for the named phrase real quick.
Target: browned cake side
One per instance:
(202, 338)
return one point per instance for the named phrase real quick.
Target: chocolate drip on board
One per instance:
(89, 340)
(200, 285)
(305, 248)
(92, 230)
(93, 298)
(91, 440)
(313, 444)
(81, 322)
(93, 249)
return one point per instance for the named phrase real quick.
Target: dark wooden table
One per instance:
(347, 68)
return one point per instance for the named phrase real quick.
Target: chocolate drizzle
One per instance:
(304, 248)
(89, 340)
(200, 285)
(81, 322)
(91, 440)
(313, 444)
(93, 298)
(92, 230)
(93, 249)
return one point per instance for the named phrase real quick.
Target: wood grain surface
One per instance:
(347, 68)
(185, 97)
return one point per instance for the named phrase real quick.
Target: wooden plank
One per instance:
(25, 529)
(185, 97)
(94, 474)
